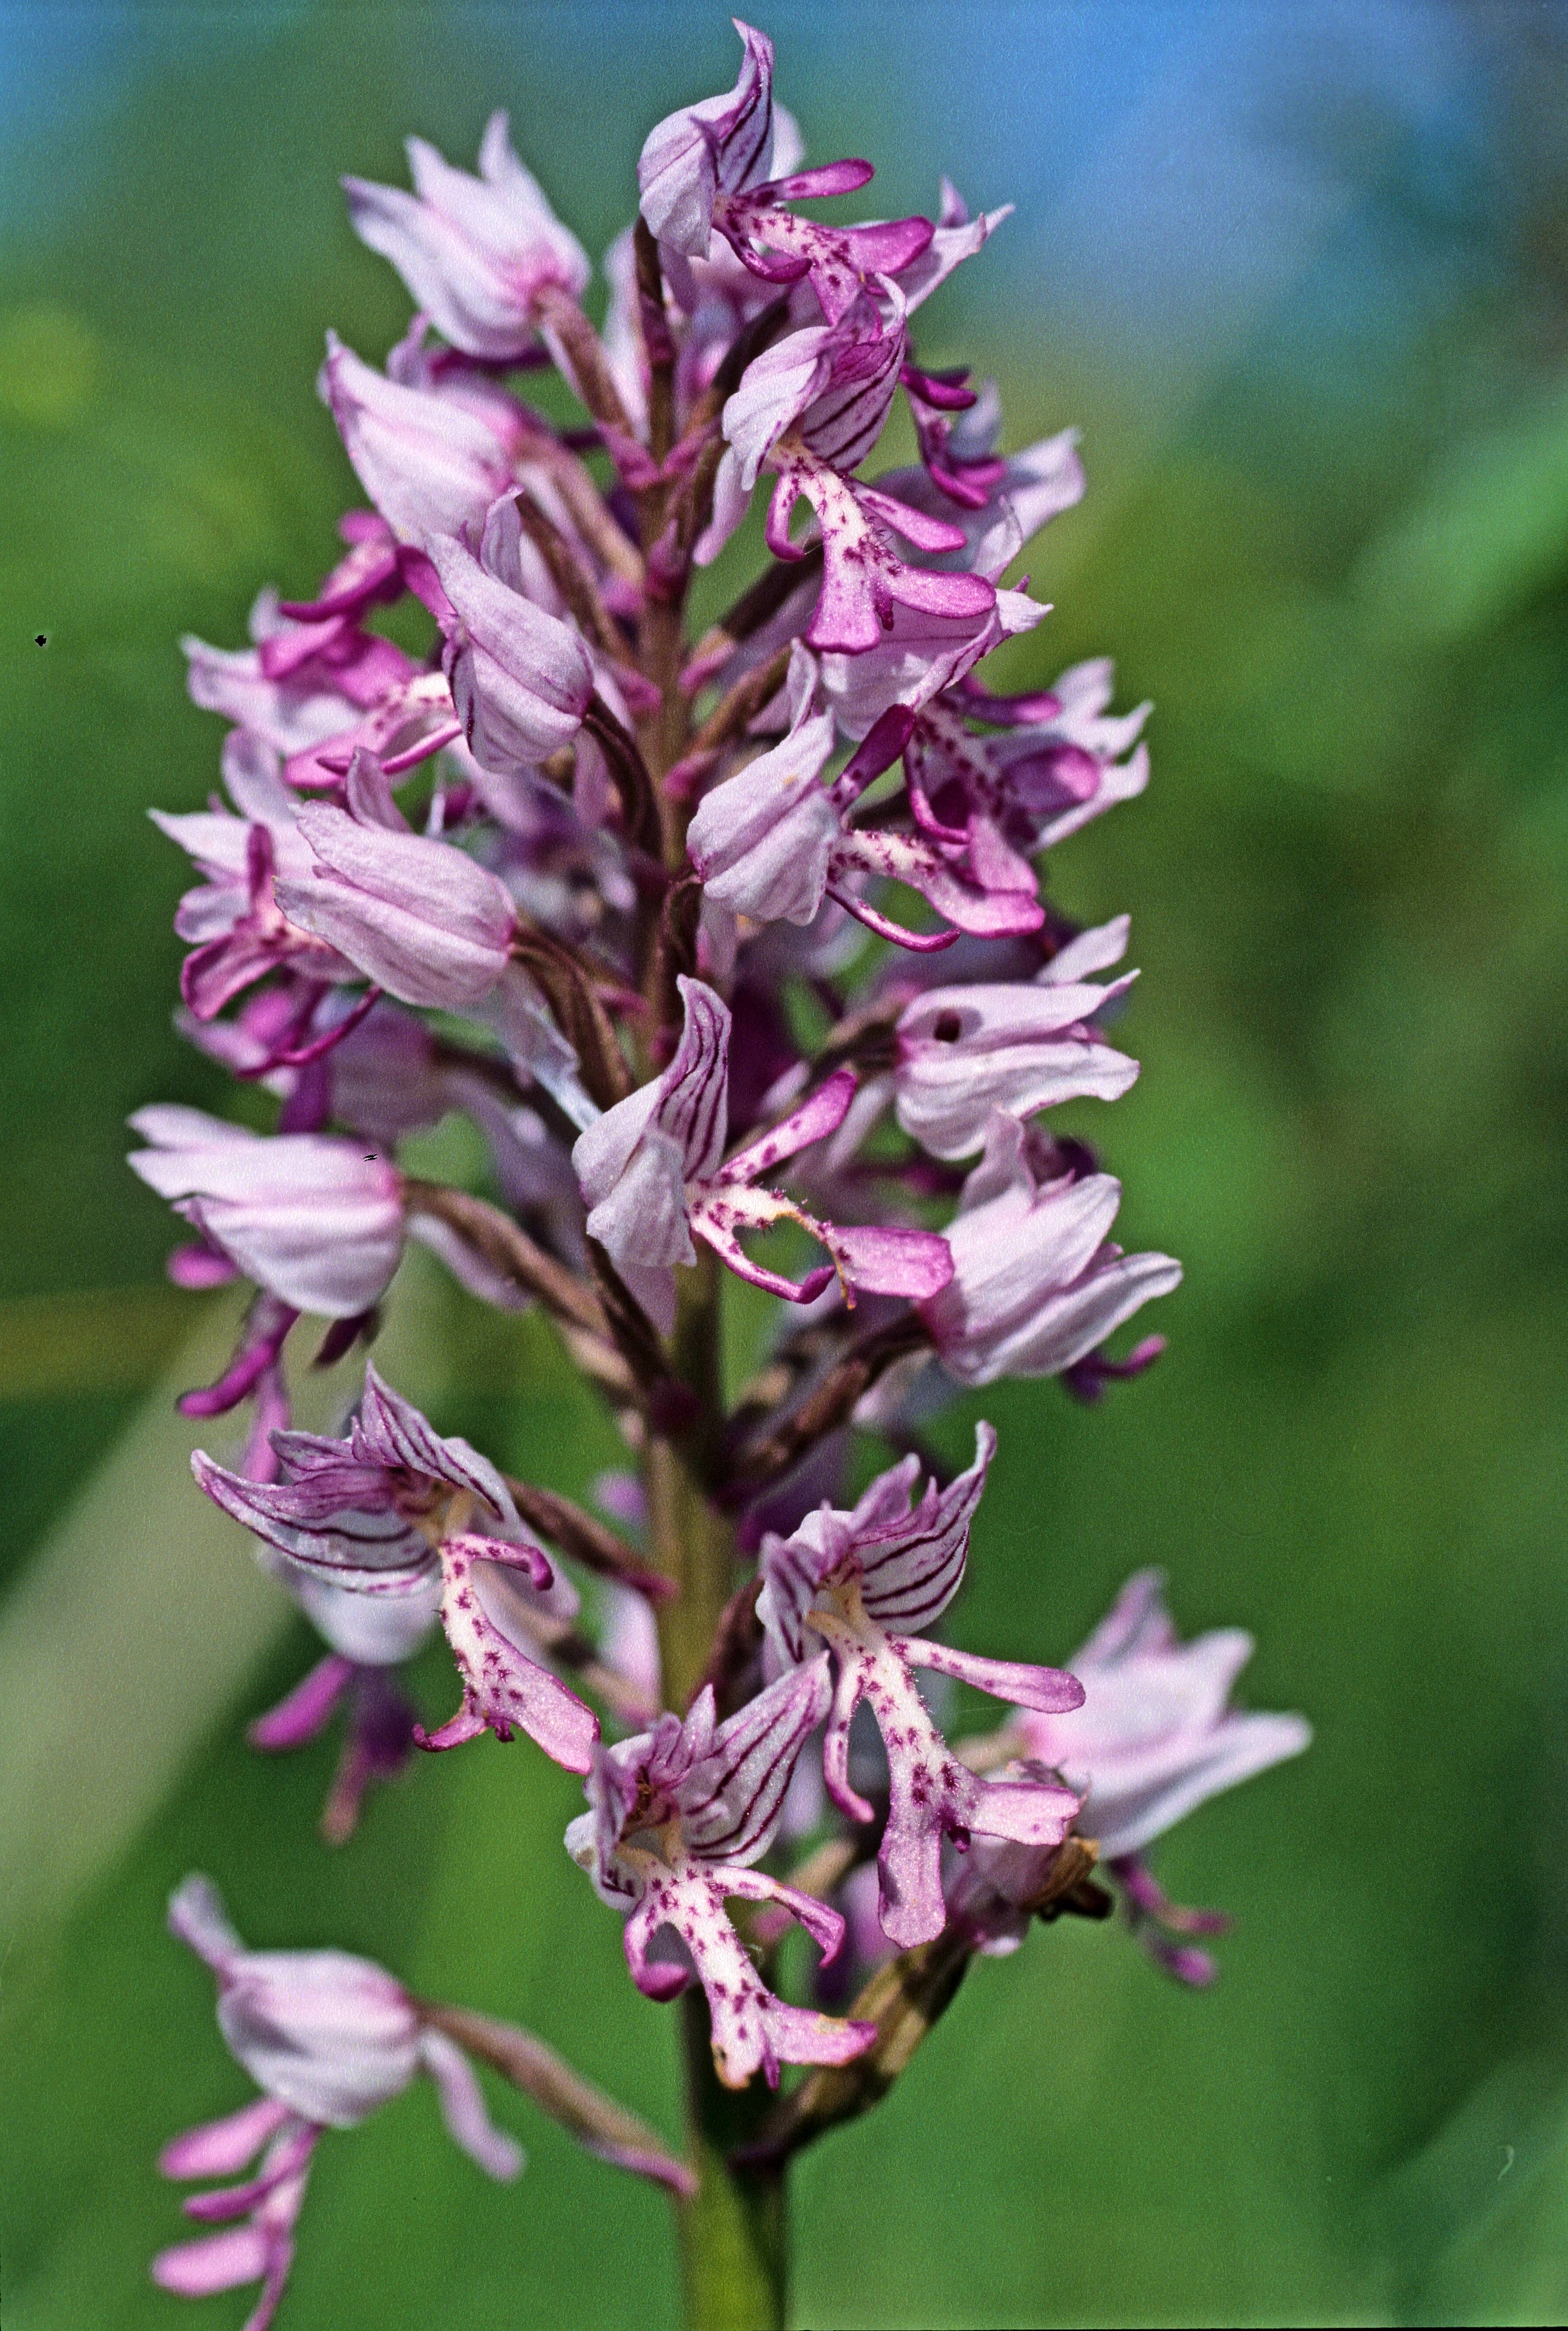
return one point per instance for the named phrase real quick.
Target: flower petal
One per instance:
(503, 1686)
(730, 1803)
(217, 2262)
(221, 2148)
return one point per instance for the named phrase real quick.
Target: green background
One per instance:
(1327, 533)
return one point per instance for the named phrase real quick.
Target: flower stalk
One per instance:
(734, 2229)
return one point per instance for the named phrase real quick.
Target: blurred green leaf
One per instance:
(1489, 534)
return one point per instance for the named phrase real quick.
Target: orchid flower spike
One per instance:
(468, 880)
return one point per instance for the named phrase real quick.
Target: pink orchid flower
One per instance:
(327, 2038)
(867, 1583)
(394, 1511)
(655, 1175)
(678, 1814)
(475, 252)
(1037, 1284)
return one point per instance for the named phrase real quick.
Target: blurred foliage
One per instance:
(1344, 579)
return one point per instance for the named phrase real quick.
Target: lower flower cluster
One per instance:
(735, 954)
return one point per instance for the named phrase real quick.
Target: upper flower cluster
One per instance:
(730, 948)
(568, 782)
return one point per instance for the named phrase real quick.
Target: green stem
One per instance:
(734, 2230)
(691, 1541)
(734, 2245)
